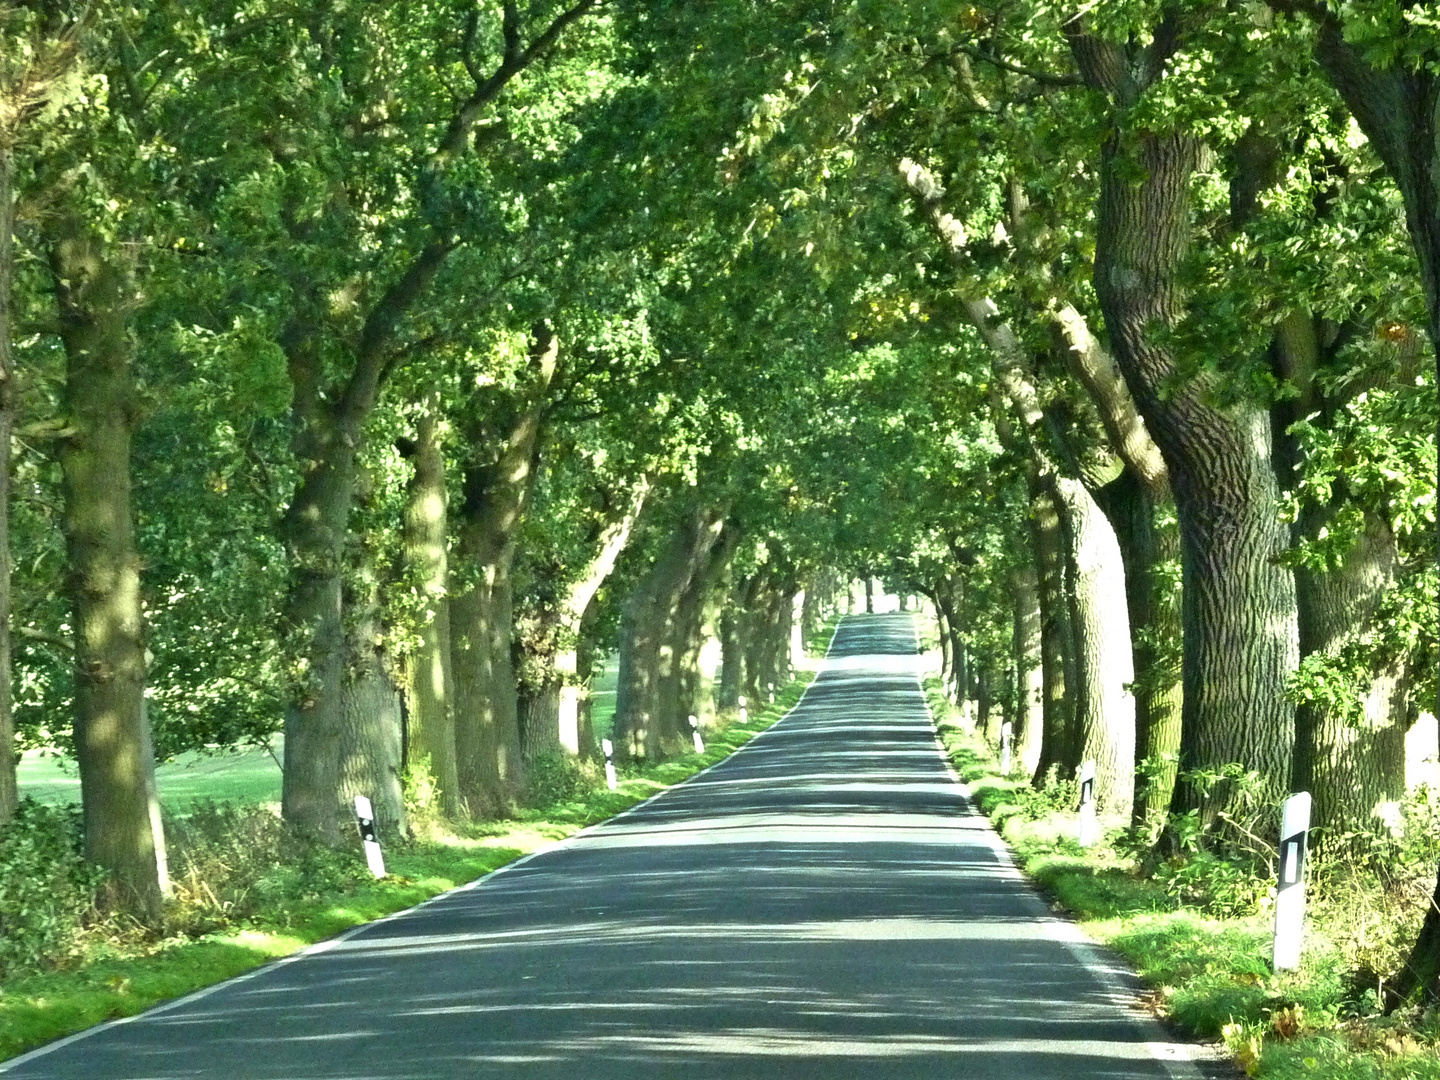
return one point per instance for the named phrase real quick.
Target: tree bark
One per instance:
(1354, 767)
(1104, 708)
(647, 634)
(614, 536)
(1029, 727)
(1055, 641)
(1238, 613)
(732, 656)
(96, 296)
(497, 494)
(1154, 609)
(328, 431)
(695, 614)
(371, 736)
(429, 686)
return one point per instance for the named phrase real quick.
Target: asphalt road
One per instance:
(821, 904)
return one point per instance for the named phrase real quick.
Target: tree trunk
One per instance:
(611, 542)
(9, 792)
(647, 634)
(429, 687)
(371, 730)
(1104, 708)
(1056, 705)
(1240, 637)
(732, 656)
(587, 740)
(123, 833)
(1029, 674)
(1154, 610)
(869, 595)
(811, 615)
(1354, 767)
(314, 528)
(695, 613)
(497, 495)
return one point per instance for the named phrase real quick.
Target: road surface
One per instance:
(823, 903)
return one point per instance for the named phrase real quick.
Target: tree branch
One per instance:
(994, 60)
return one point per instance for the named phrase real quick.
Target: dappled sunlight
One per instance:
(822, 903)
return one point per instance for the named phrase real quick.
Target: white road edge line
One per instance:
(1176, 1058)
(330, 943)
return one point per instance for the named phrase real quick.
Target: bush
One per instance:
(229, 863)
(558, 778)
(47, 889)
(1216, 885)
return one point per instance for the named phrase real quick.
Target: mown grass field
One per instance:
(250, 775)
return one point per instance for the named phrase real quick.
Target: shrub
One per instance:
(557, 778)
(1227, 887)
(47, 889)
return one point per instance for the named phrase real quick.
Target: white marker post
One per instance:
(695, 731)
(771, 687)
(365, 818)
(1290, 888)
(1005, 735)
(609, 748)
(744, 716)
(1089, 826)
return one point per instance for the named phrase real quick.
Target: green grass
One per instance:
(1210, 975)
(250, 775)
(119, 979)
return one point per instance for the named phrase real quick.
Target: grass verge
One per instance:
(1209, 973)
(121, 973)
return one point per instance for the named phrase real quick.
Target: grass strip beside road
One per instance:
(1209, 973)
(123, 976)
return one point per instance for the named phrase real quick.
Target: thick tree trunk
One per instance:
(1104, 708)
(1029, 674)
(9, 792)
(497, 494)
(647, 635)
(1354, 767)
(696, 613)
(96, 296)
(1154, 611)
(1056, 705)
(613, 538)
(487, 731)
(429, 687)
(811, 614)
(371, 728)
(588, 740)
(1240, 637)
(732, 656)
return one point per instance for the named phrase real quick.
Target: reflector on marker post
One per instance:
(1089, 826)
(1290, 887)
(609, 748)
(695, 731)
(744, 716)
(365, 819)
(1005, 736)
